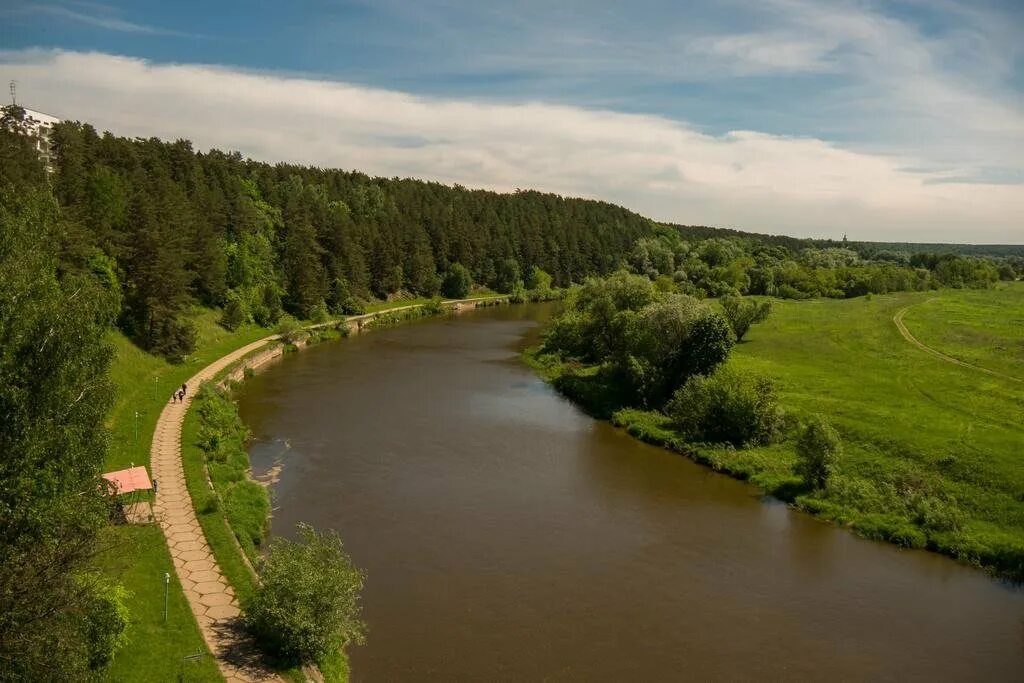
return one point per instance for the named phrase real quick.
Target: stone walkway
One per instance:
(209, 593)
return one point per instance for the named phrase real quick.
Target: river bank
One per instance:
(928, 460)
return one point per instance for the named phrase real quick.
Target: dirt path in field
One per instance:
(901, 326)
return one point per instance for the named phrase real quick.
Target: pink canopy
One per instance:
(131, 479)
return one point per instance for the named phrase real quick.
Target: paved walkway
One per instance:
(209, 593)
(902, 327)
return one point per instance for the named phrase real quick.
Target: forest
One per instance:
(169, 227)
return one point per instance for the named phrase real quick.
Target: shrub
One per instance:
(289, 330)
(518, 294)
(538, 280)
(234, 315)
(307, 604)
(817, 450)
(936, 514)
(319, 314)
(664, 344)
(247, 506)
(727, 407)
(457, 282)
(433, 307)
(106, 619)
(567, 335)
(342, 301)
(742, 313)
(210, 505)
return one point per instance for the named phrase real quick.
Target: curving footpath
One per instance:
(209, 593)
(901, 326)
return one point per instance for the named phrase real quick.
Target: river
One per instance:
(508, 536)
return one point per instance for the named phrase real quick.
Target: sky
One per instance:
(881, 120)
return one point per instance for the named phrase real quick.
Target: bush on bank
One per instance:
(878, 487)
(307, 605)
(727, 406)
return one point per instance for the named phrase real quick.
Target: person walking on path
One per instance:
(184, 388)
(174, 397)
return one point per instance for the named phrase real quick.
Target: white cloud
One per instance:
(766, 53)
(660, 167)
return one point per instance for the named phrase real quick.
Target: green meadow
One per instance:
(981, 327)
(933, 452)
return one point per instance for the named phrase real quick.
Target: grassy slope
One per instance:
(915, 428)
(144, 383)
(138, 558)
(908, 419)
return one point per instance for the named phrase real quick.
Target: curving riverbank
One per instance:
(210, 595)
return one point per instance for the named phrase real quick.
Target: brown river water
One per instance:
(508, 536)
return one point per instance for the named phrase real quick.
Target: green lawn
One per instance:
(137, 557)
(934, 452)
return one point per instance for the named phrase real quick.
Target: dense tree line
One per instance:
(214, 228)
(720, 266)
(172, 227)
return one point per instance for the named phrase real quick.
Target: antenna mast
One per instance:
(14, 94)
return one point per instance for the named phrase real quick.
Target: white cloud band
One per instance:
(660, 167)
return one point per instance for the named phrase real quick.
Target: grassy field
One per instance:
(934, 452)
(982, 328)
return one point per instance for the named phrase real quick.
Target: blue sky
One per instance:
(899, 120)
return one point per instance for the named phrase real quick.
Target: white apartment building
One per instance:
(40, 126)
